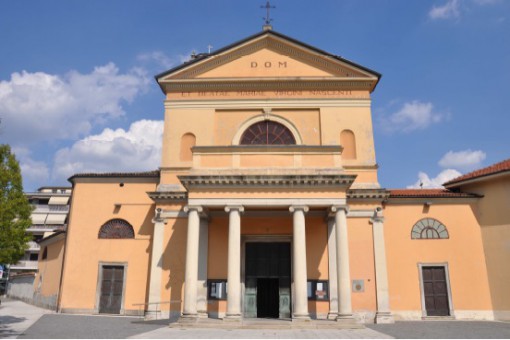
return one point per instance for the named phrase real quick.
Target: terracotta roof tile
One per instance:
(490, 170)
(432, 193)
(154, 173)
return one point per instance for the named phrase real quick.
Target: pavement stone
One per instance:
(197, 333)
(18, 319)
(17, 316)
(445, 329)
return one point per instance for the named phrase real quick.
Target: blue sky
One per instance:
(77, 92)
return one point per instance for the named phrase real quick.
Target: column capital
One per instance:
(336, 208)
(189, 208)
(378, 216)
(230, 208)
(294, 208)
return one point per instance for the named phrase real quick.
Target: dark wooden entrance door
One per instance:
(435, 291)
(111, 289)
(268, 298)
(267, 280)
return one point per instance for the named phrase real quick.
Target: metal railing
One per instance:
(32, 245)
(43, 208)
(25, 265)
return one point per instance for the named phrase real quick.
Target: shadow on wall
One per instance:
(174, 262)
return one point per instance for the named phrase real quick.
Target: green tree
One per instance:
(14, 209)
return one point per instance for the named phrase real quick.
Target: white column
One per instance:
(234, 262)
(191, 272)
(156, 267)
(333, 286)
(299, 263)
(383, 314)
(342, 261)
(202, 268)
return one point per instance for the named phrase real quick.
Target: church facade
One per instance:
(267, 204)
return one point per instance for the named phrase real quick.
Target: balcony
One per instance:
(33, 246)
(46, 227)
(43, 208)
(25, 265)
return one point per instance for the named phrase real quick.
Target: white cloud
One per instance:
(39, 106)
(138, 149)
(451, 9)
(414, 115)
(462, 160)
(436, 182)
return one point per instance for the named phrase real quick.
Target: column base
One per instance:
(348, 321)
(384, 317)
(301, 318)
(332, 316)
(233, 318)
(188, 318)
(202, 315)
(151, 315)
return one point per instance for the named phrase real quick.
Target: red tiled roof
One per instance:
(432, 193)
(490, 170)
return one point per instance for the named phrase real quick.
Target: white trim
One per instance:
(448, 287)
(263, 117)
(266, 202)
(503, 315)
(242, 104)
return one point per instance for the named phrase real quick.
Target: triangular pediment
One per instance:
(265, 56)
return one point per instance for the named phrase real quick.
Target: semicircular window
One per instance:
(429, 228)
(267, 133)
(116, 229)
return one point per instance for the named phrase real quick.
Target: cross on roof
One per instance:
(268, 7)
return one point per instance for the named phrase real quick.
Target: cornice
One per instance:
(368, 194)
(287, 103)
(265, 84)
(168, 196)
(268, 148)
(265, 181)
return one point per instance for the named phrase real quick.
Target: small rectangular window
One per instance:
(217, 289)
(318, 290)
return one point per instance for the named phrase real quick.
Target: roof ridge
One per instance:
(486, 171)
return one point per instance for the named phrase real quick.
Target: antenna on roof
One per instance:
(267, 20)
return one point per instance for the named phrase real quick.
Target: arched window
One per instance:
(267, 132)
(348, 141)
(188, 141)
(429, 228)
(116, 228)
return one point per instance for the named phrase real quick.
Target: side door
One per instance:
(112, 284)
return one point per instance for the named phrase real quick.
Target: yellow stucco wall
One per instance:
(47, 280)
(93, 204)
(462, 251)
(492, 214)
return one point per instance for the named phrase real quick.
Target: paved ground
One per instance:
(16, 316)
(446, 329)
(18, 319)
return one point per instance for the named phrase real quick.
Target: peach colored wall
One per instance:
(242, 67)
(93, 204)
(47, 280)
(492, 213)
(316, 247)
(361, 262)
(174, 263)
(463, 252)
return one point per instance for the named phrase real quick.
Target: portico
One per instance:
(307, 211)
